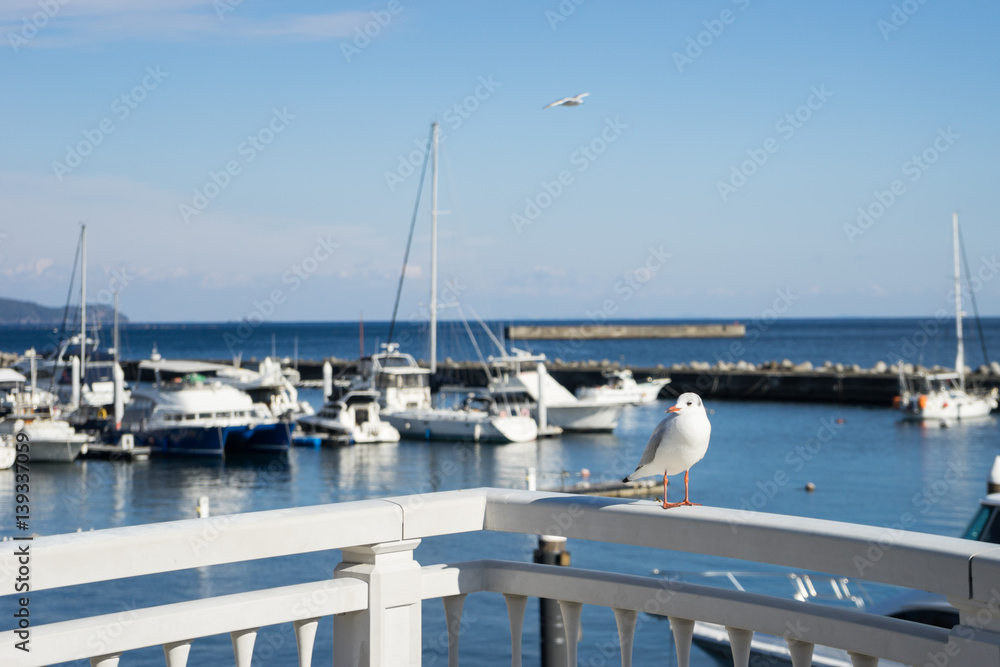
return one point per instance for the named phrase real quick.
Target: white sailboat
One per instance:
(944, 396)
(621, 386)
(405, 386)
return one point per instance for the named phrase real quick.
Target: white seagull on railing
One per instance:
(567, 101)
(677, 443)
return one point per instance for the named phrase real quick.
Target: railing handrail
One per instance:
(954, 567)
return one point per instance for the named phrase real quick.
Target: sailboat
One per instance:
(944, 396)
(405, 387)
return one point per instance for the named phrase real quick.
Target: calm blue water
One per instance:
(872, 471)
(850, 341)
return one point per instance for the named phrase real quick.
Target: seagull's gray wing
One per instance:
(556, 103)
(656, 439)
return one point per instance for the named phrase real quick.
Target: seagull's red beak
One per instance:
(673, 408)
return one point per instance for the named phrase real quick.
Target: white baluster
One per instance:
(740, 640)
(177, 653)
(453, 616)
(571, 612)
(305, 637)
(516, 606)
(861, 660)
(243, 642)
(801, 652)
(105, 660)
(683, 630)
(626, 620)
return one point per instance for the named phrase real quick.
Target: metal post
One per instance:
(552, 551)
(543, 414)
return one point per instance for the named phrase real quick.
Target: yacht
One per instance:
(197, 417)
(405, 399)
(352, 419)
(944, 396)
(522, 377)
(8, 452)
(269, 386)
(28, 410)
(621, 386)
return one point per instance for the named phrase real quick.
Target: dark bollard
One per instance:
(552, 551)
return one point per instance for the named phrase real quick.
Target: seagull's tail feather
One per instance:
(626, 478)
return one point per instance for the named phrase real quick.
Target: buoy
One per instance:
(841, 420)
(922, 401)
(810, 487)
(896, 400)
(584, 473)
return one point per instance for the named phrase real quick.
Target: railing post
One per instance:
(388, 632)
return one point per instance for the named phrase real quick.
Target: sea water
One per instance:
(866, 465)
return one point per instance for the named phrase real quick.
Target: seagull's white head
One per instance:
(688, 402)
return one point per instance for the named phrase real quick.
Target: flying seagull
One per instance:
(677, 443)
(568, 101)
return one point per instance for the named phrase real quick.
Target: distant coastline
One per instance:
(28, 313)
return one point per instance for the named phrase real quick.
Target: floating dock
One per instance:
(624, 331)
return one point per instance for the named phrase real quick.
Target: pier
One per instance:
(623, 331)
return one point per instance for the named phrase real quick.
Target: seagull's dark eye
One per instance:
(689, 403)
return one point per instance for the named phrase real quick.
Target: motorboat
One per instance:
(192, 416)
(354, 418)
(269, 385)
(33, 412)
(944, 396)
(50, 440)
(405, 401)
(621, 386)
(522, 378)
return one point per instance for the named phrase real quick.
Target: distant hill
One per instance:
(13, 311)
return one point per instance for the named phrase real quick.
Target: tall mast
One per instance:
(83, 301)
(434, 232)
(960, 353)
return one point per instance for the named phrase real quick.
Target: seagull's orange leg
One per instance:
(687, 502)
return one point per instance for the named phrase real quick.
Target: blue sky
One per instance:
(245, 157)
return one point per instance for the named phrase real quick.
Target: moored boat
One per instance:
(354, 418)
(193, 417)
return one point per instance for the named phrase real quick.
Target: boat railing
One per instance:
(376, 593)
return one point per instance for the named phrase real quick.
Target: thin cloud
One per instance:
(95, 22)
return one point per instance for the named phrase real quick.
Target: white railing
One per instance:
(376, 593)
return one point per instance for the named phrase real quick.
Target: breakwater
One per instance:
(624, 331)
(774, 380)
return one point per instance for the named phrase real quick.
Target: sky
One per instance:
(240, 159)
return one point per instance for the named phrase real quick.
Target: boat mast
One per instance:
(960, 353)
(83, 301)
(434, 231)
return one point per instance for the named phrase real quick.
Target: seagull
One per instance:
(677, 443)
(568, 101)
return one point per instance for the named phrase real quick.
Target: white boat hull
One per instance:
(461, 425)
(50, 440)
(945, 406)
(585, 417)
